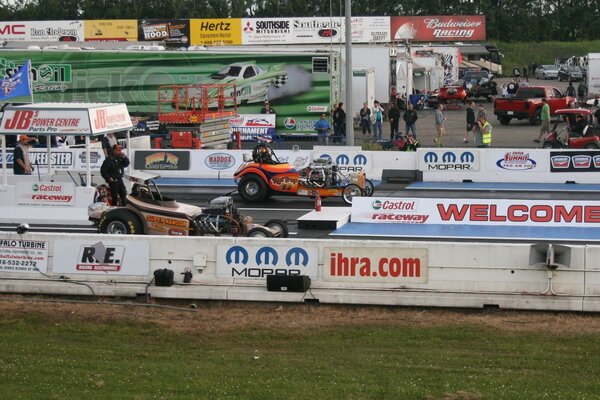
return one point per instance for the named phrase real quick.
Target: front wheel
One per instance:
(592, 146)
(369, 188)
(548, 145)
(350, 191)
(259, 232)
(278, 226)
(252, 188)
(120, 222)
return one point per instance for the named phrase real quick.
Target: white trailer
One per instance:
(593, 73)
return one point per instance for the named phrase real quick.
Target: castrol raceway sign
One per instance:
(510, 212)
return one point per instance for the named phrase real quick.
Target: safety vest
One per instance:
(486, 133)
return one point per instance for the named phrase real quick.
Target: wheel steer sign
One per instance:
(375, 265)
(106, 257)
(256, 262)
(20, 255)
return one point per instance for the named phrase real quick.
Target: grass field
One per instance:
(542, 53)
(246, 351)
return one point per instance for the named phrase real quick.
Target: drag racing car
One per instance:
(263, 175)
(149, 212)
(251, 81)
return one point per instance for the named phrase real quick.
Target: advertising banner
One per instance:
(171, 30)
(165, 160)
(51, 194)
(509, 212)
(42, 31)
(110, 30)
(439, 28)
(375, 265)
(17, 255)
(349, 161)
(105, 257)
(286, 79)
(216, 32)
(313, 30)
(256, 262)
(448, 160)
(575, 161)
(252, 127)
(516, 160)
(61, 159)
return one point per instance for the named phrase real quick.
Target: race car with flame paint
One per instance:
(149, 212)
(263, 175)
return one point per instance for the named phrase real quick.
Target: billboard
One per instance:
(216, 32)
(313, 30)
(171, 30)
(42, 31)
(290, 81)
(110, 30)
(439, 28)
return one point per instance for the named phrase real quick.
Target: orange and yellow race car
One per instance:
(263, 175)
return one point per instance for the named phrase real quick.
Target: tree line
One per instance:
(506, 20)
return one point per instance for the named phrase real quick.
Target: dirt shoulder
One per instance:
(198, 316)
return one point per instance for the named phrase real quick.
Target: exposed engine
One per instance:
(320, 173)
(220, 217)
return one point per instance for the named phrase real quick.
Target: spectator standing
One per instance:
(322, 126)
(483, 132)
(21, 161)
(339, 123)
(267, 109)
(394, 117)
(545, 117)
(439, 124)
(410, 119)
(377, 113)
(365, 119)
(112, 171)
(525, 72)
(470, 121)
(582, 92)
(570, 90)
(108, 143)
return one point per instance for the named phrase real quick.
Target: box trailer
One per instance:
(298, 84)
(593, 73)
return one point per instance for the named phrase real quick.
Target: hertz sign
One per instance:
(216, 31)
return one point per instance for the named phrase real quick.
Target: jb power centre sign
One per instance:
(511, 212)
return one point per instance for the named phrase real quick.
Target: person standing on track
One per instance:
(439, 124)
(545, 117)
(410, 119)
(112, 171)
(470, 121)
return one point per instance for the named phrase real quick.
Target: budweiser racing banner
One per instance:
(439, 28)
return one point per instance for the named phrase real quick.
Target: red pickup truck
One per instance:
(527, 104)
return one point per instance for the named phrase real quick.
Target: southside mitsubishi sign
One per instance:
(439, 28)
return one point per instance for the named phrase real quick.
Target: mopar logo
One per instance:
(360, 159)
(342, 159)
(448, 157)
(431, 157)
(376, 205)
(239, 253)
(294, 257)
(269, 255)
(467, 156)
(325, 156)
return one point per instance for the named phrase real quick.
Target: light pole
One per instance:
(348, 101)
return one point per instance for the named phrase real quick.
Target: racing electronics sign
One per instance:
(106, 257)
(574, 161)
(509, 212)
(439, 28)
(256, 262)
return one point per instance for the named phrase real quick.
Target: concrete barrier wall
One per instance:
(342, 271)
